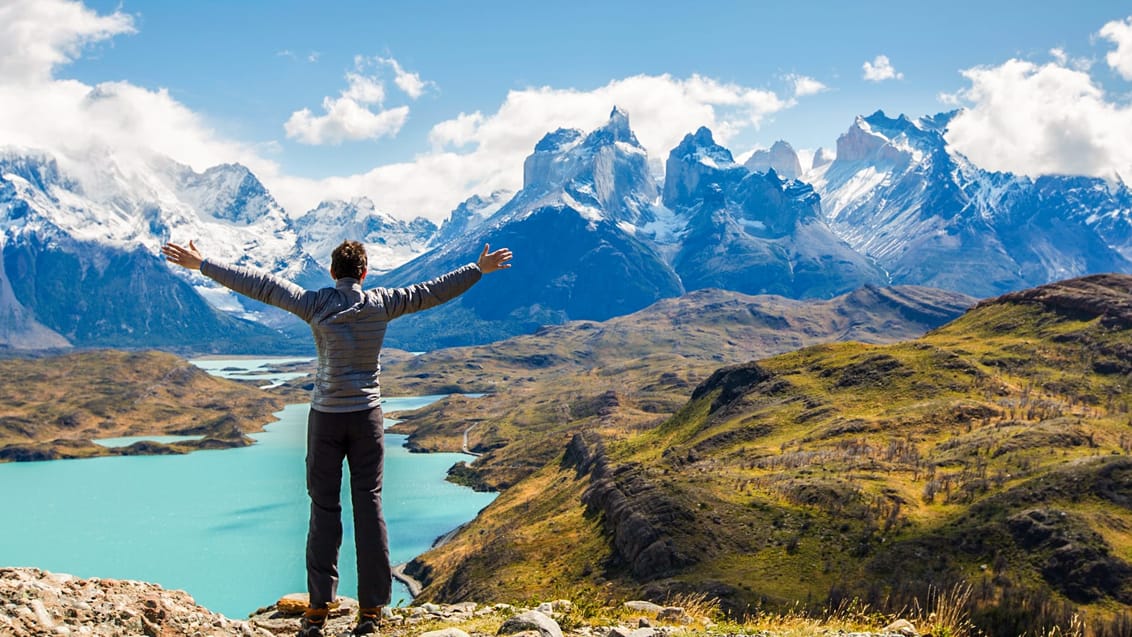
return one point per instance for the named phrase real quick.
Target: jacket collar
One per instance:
(347, 283)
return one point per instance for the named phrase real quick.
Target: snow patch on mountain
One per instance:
(851, 190)
(666, 226)
(593, 214)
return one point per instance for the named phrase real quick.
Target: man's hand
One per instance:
(497, 260)
(185, 257)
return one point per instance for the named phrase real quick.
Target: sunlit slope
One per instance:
(993, 450)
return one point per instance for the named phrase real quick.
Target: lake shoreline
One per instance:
(243, 516)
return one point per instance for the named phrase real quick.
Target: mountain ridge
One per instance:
(895, 205)
(898, 192)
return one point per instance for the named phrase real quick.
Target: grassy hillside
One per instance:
(51, 407)
(993, 452)
(631, 372)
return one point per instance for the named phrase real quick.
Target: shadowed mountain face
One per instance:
(992, 450)
(593, 242)
(570, 268)
(93, 297)
(753, 232)
(573, 230)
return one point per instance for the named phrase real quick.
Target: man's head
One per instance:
(348, 261)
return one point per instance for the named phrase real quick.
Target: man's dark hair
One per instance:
(348, 261)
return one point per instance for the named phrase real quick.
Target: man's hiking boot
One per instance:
(314, 619)
(368, 619)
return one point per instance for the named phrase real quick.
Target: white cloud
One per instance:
(880, 69)
(83, 125)
(114, 122)
(804, 86)
(1046, 119)
(410, 83)
(662, 110)
(311, 57)
(1062, 58)
(349, 117)
(364, 89)
(457, 132)
(357, 113)
(38, 35)
(479, 152)
(344, 120)
(1120, 33)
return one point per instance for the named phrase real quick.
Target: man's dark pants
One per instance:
(357, 436)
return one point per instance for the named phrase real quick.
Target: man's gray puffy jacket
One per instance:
(348, 324)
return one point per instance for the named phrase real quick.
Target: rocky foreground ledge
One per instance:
(39, 603)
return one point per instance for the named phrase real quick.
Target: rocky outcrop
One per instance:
(532, 621)
(35, 602)
(1074, 559)
(732, 382)
(641, 519)
(582, 456)
(780, 157)
(1107, 296)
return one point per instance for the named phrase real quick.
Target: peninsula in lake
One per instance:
(55, 406)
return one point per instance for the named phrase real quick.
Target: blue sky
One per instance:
(420, 104)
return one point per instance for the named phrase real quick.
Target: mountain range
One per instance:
(595, 234)
(929, 216)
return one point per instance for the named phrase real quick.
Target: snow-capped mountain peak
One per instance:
(228, 192)
(928, 215)
(822, 157)
(615, 130)
(389, 242)
(781, 158)
(696, 159)
(605, 171)
(469, 215)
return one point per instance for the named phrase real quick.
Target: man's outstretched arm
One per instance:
(260, 286)
(422, 296)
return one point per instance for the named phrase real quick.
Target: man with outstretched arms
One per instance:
(345, 419)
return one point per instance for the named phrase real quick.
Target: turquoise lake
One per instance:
(227, 526)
